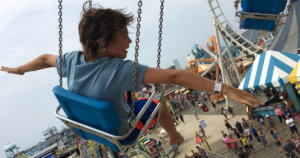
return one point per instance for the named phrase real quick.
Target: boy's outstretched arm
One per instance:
(41, 62)
(194, 81)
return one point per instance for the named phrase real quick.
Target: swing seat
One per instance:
(261, 14)
(264, 111)
(97, 120)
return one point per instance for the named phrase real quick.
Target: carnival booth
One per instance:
(271, 69)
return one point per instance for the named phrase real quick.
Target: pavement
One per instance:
(215, 124)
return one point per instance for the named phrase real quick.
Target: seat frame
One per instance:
(115, 139)
(277, 18)
(240, 16)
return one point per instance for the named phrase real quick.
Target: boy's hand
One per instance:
(12, 70)
(241, 96)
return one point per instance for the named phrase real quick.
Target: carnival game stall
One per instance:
(271, 70)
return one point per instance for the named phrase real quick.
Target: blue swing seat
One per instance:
(271, 7)
(94, 113)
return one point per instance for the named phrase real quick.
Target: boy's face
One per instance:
(118, 48)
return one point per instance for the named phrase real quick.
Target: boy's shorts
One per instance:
(139, 104)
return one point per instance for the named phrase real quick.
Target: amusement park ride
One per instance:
(96, 123)
(260, 15)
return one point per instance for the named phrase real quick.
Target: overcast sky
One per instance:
(28, 29)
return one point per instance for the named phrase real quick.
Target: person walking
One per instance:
(225, 140)
(249, 134)
(181, 118)
(223, 112)
(201, 130)
(237, 135)
(271, 123)
(242, 153)
(245, 143)
(230, 110)
(275, 138)
(199, 140)
(290, 122)
(254, 132)
(279, 114)
(262, 138)
(250, 145)
(287, 112)
(296, 141)
(289, 149)
(195, 114)
(233, 144)
(203, 106)
(261, 121)
(214, 106)
(239, 127)
(227, 125)
(245, 123)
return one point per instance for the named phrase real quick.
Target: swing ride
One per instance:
(97, 119)
(262, 15)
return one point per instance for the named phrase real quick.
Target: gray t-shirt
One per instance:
(104, 79)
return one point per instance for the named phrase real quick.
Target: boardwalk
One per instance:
(215, 122)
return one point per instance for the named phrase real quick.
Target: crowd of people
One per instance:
(247, 134)
(240, 136)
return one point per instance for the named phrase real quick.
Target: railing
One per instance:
(226, 29)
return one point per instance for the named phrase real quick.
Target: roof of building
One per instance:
(287, 39)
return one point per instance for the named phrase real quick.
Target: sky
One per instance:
(29, 28)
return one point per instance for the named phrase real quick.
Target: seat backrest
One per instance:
(92, 112)
(263, 6)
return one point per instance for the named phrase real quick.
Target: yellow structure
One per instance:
(294, 77)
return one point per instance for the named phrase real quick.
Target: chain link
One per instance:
(160, 32)
(60, 26)
(137, 41)
(158, 87)
(90, 4)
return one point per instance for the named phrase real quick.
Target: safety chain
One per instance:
(90, 4)
(158, 87)
(160, 32)
(60, 26)
(138, 26)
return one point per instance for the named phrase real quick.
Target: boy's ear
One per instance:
(102, 43)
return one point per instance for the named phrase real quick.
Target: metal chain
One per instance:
(158, 87)
(90, 4)
(60, 26)
(137, 41)
(160, 32)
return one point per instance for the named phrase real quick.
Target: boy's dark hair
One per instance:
(98, 24)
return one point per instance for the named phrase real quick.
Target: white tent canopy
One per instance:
(270, 69)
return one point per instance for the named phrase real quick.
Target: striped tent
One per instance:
(294, 77)
(269, 69)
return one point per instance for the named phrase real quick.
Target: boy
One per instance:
(100, 71)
